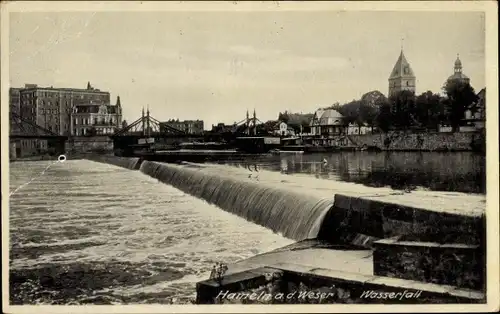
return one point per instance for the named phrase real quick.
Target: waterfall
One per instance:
(294, 215)
(124, 162)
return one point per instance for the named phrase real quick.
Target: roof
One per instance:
(94, 108)
(459, 76)
(317, 115)
(402, 68)
(63, 89)
(331, 117)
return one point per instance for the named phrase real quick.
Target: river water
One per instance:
(85, 232)
(455, 172)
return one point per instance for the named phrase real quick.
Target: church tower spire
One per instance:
(402, 76)
(458, 65)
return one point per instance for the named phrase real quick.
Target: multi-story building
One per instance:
(51, 108)
(96, 117)
(187, 126)
(402, 76)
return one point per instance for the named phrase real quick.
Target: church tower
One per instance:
(402, 76)
(458, 75)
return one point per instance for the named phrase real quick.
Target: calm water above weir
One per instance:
(85, 232)
(458, 172)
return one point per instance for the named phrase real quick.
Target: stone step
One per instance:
(213, 291)
(460, 265)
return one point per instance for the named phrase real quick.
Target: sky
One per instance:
(214, 65)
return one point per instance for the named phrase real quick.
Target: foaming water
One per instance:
(291, 213)
(87, 232)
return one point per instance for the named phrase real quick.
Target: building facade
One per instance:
(283, 129)
(14, 106)
(356, 129)
(96, 118)
(402, 77)
(187, 126)
(327, 123)
(51, 108)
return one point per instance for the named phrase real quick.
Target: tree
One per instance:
(367, 113)
(384, 119)
(335, 106)
(350, 112)
(283, 117)
(461, 96)
(403, 109)
(429, 110)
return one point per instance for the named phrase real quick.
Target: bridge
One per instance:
(147, 126)
(146, 130)
(27, 139)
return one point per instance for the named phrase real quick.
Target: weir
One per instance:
(350, 237)
(128, 163)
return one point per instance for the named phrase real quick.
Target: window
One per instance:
(407, 83)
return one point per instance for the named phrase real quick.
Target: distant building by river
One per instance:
(96, 118)
(52, 108)
(187, 126)
(14, 106)
(327, 122)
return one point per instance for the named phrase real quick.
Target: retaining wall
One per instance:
(458, 141)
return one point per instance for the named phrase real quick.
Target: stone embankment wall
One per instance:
(459, 141)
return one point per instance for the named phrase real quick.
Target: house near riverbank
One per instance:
(327, 122)
(283, 129)
(328, 128)
(359, 129)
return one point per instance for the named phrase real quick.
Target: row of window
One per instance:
(49, 111)
(86, 121)
(98, 131)
(54, 94)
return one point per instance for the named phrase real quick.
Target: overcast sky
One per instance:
(215, 65)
